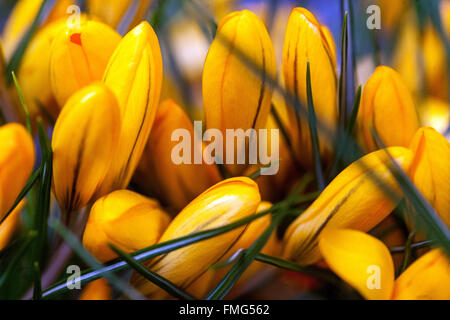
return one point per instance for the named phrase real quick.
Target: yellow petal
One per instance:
(306, 40)
(173, 183)
(430, 171)
(353, 200)
(84, 141)
(227, 106)
(16, 163)
(134, 74)
(79, 57)
(428, 278)
(361, 260)
(125, 219)
(96, 290)
(220, 205)
(9, 226)
(386, 88)
(112, 12)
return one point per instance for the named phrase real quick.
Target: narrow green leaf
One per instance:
(319, 273)
(230, 279)
(407, 253)
(343, 75)
(355, 110)
(153, 277)
(414, 246)
(37, 290)
(31, 181)
(313, 132)
(22, 102)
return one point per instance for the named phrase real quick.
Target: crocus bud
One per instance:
(134, 74)
(159, 171)
(9, 226)
(306, 40)
(354, 200)
(388, 108)
(220, 205)
(430, 170)
(16, 163)
(79, 57)
(21, 18)
(112, 12)
(125, 219)
(225, 74)
(427, 278)
(361, 260)
(34, 75)
(83, 142)
(96, 290)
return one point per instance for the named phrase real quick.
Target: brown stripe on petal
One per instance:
(263, 85)
(126, 168)
(297, 98)
(308, 242)
(73, 201)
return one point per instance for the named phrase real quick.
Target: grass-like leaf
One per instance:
(292, 266)
(312, 120)
(343, 75)
(31, 181)
(151, 276)
(414, 246)
(232, 276)
(22, 102)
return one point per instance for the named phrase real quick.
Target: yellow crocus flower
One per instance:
(365, 263)
(354, 199)
(306, 40)
(16, 163)
(125, 219)
(224, 203)
(386, 101)
(96, 290)
(225, 75)
(134, 74)
(79, 57)
(175, 184)
(22, 16)
(84, 140)
(112, 12)
(430, 170)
